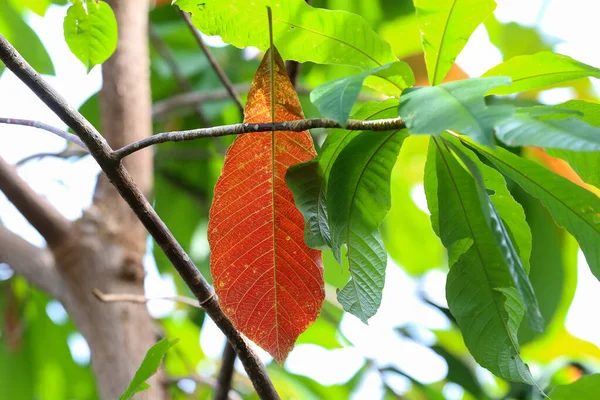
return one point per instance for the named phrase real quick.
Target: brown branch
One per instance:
(213, 62)
(136, 298)
(36, 265)
(182, 81)
(51, 224)
(223, 384)
(237, 129)
(191, 99)
(67, 153)
(40, 125)
(170, 104)
(121, 179)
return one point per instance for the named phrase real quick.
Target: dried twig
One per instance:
(136, 298)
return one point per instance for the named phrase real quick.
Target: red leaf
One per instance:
(269, 283)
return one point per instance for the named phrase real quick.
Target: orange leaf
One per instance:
(269, 283)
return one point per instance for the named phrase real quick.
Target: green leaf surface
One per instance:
(14, 28)
(301, 32)
(37, 6)
(514, 39)
(446, 26)
(539, 71)
(514, 213)
(91, 31)
(585, 388)
(335, 99)
(524, 129)
(572, 206)
(479, 289)
(308, 181)
(458, 106)
(358, 198)
(584, 163)
(148, 368)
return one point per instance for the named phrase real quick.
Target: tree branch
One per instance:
(190, 99)
(223, 384)
(34, 264)
(202, 380)
(121, 179)
(213, 62)
(183, 83)
(40, 125)
(237, 129)
(51, 224)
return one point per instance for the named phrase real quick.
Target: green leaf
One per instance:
(540, 70)
(335, 99)
(514, 39)
(513, 213)
(308, 181)
(584, 163)
(457, 106)
(585, 388)
(358, 198)
(479, 288)
(569, 134)
(91, 31)
(301, 32)
(37, 6)
(148, 368)
(446, 26)
(572, 207)
(24, 39)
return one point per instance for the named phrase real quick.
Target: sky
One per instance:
(69, 186)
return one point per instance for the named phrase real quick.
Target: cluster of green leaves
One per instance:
(344, 193)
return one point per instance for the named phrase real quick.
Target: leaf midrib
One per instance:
(439, 53)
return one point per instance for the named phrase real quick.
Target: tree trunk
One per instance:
(107, 244)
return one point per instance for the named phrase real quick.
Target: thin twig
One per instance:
(237, 129)
(127, 188)
(179, 101)
(203, 380)
(61, 154)
(225, 377)
(136, 298)
(182, 81)
(50, 223)
(213, 62)
(40, 125)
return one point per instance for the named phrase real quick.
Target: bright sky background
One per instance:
(69, 187)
